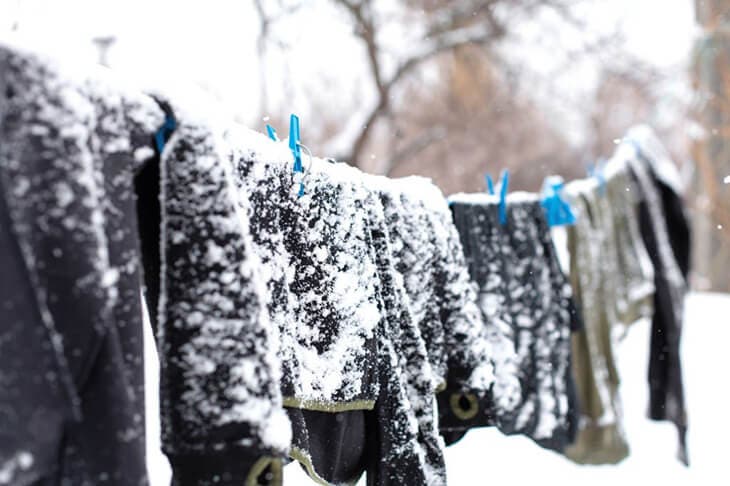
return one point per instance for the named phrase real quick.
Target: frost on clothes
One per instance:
(320, 277)
(427, 254)
(220, 397)
(342, 312)
(68, 156)
(527, 306)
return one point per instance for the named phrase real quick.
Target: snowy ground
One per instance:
(486, 457)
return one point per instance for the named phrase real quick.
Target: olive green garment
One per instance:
(634, 273)
(593, 271)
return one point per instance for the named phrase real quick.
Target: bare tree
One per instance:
(449, 26)
(480, 112)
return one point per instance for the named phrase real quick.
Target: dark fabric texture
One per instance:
(221, 406)
(666, 233)
(30, 436)
(441, 298)
(526, 300)
(69, 151)
(149, 215)
(329, 265)
(235, 466)
(408, 455)
(320, 277)
(305, 282)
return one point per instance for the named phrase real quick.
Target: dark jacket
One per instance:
(67, 165)
(666, 233)
(221, 407)
(342, 312)
(72, 411)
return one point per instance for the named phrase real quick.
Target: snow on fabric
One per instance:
(527, 306)
(667, 234)
(341, 306)
(319, 273)
(428, 255)
(411, 448)
(219, 369)
(68, 164)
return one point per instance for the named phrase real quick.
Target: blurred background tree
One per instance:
(452, 100)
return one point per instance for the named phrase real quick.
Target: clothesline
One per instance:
(353, 327)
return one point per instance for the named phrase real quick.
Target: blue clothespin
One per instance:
(596, 170)
(162, 133)
(490, 184)
(504, 183)
(503, 197)
(272, 133)
(294, 146)
(558, 212)
(296, 150)
(294, 140)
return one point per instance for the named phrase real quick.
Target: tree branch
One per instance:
(473, 35)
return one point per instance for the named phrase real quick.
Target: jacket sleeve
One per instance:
(222, 414)
(469, 352)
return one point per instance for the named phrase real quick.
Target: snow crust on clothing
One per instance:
(428, 254)
(526, 305)
(219, 363)
(411, 448)
(337, 259)
(329, 265)
(319, 274)
(540, 303)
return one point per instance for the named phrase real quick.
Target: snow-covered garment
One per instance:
(601, 438)
(427, 257)
(348, 342)
(320, 275)
(222, 413)
(528, 312)
(69, 150)
(428, 254)
(666, 232)
(413, 249)
(470, 355)
(411, 451)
